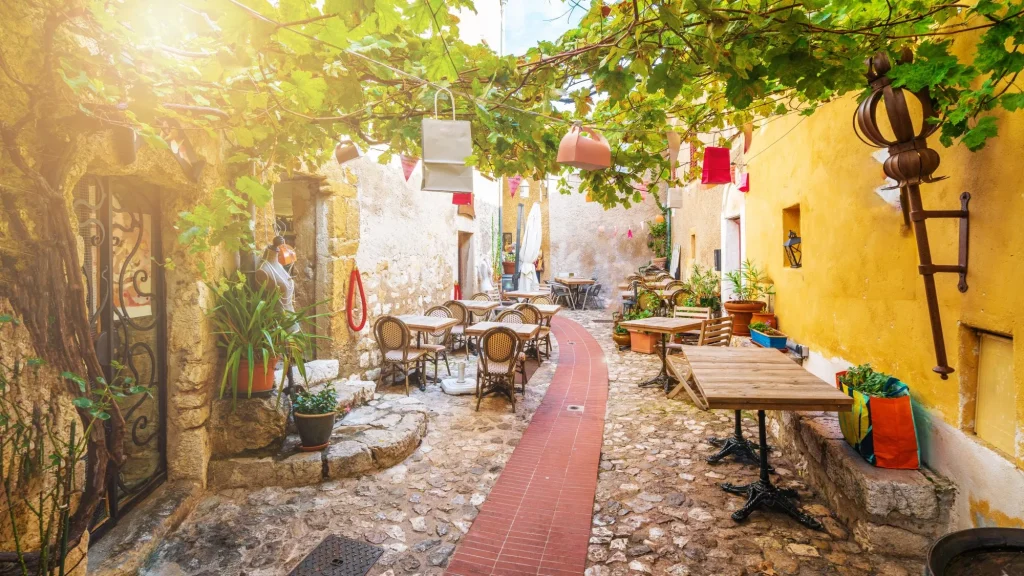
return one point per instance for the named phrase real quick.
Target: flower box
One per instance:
(642, 342)
(775, 340)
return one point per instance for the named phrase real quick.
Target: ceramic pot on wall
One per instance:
(262, 378)
(766, 317)
(742, 311)
(508, 267)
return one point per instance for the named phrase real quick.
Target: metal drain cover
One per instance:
(574, 408)
(339, 556)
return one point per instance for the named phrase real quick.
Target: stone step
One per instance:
(317, 372)
(372, 437)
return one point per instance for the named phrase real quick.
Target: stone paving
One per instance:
(417, 511)
(659, 509)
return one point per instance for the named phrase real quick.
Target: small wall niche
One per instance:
(790, 221)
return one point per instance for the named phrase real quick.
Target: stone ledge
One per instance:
(124, 550)
(897, 512)
(372, 437)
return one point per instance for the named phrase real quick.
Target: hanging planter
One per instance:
(584, 153)
(716, 168)
(446, 145)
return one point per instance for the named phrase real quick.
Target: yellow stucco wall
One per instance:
(859, 295)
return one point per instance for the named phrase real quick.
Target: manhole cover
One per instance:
(574, 408)
(339, 556)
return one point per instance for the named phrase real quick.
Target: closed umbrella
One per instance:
(529, 250)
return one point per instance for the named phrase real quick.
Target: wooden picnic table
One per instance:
(667, 327)
(523, 331)
(525, 294)
(754, 379)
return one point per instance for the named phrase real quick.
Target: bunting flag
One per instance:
(615, 232)
(462, 198)
(408, 165)
(513, 184)
(629, 233)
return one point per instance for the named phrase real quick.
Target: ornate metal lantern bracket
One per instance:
(912, 163)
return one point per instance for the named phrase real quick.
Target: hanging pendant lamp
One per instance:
(584, 153)
(345, 150)
(716, 168)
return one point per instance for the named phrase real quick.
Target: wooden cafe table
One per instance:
(575, 285)
(524, 294)
(548, 310)
(756, 379)
(523, 331)
(479, 307)
(430, 325)
(667, 327)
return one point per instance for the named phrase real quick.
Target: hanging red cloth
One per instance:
(716, 166)
(744, 182)
(457, 293)
(462, 198)
(353, 281)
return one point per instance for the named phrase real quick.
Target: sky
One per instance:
(526, 23)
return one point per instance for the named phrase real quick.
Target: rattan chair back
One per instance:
(500, 348)
(512, 317)
(541, 300)
(439, 312)
(392, 334)
(648, 300)
(531, 315)
(458, 310)
(481, 296)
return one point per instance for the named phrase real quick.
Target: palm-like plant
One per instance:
(254, 329)
(749, 283)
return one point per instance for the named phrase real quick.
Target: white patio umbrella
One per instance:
(529, 250)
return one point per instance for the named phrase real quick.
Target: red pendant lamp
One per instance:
(716, 168)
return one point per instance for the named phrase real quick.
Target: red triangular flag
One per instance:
(408, 165)
(629, 233)
(513, 184)
(462, 198)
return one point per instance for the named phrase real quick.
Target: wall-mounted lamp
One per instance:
(793, 253)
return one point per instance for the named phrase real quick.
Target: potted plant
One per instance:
(641, 342)
(621, 336)
(656, 241)
(314, 417)
(704, 287)
(255, 333)
(767, 337)
(508, 262)
(749, 284)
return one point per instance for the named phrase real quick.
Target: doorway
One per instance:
(119, 221)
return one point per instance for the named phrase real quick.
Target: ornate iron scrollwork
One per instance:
(912, 163)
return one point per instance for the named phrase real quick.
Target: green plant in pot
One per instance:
(749, 284)
(657, 233)
(255, 333)
(705, 288)
(315, 413)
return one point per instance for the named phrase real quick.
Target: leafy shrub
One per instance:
(322, 402)
(749, 283)
(866, 381)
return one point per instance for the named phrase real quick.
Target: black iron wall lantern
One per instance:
(912, 163)
(793, 253)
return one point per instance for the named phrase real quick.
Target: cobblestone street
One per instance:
(658, 509)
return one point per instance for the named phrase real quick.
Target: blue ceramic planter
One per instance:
(777, 342)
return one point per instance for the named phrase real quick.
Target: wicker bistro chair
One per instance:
(675, 285)
(531, 315)
(541, 300)
(511, 316)
(648, 300)
(436, 345)
(482, 297)
(629, 296)
(396, 347)
(458, 332)
(500, 349)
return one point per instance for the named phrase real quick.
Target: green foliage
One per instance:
(323, 402)
(508, 256)
(704, 288)
(866, 381)
(765, 329)
(223, 220)
(253, 329)
(620, 330)
(638, 314)
(657, 238)
(749, 283)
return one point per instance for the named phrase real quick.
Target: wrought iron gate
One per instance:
(119, 226)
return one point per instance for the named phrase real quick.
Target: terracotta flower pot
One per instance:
(508, 267)
(642, 342)
(262, 378)
(741, 312)
(766, 317)
(315, 429)
(621, 339)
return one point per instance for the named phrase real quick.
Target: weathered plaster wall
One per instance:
(578, 245)
(859, 298)
(700, 217)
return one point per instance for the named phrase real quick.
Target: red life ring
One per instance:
(353, 281)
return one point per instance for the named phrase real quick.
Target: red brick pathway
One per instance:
(536, 520)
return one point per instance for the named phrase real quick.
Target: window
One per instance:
(790, 222)
(995, 413)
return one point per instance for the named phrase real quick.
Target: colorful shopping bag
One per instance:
(881, 429)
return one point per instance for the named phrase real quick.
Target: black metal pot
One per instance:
(315, 429)
(945, 549)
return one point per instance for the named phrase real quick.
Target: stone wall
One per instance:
(579, 245)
